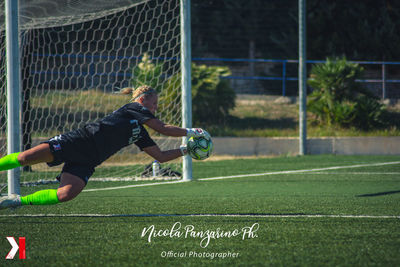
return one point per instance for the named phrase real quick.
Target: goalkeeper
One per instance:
(84, 149)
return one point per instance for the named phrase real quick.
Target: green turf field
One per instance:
(296, 211)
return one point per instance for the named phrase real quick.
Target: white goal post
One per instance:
(74, 56)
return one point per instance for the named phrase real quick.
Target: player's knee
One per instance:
(161, 160)
(23, 158)
(67, 194)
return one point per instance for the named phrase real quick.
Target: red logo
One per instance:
(16, 247)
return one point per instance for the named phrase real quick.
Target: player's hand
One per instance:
(197, 132)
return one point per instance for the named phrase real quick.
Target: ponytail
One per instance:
(127, 90)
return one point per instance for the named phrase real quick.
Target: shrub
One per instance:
(338, 99)
(370, 113)
(212, 97)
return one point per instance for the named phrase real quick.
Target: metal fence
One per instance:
(279, 76)
(249, 76)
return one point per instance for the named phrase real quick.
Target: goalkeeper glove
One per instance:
(183, 149)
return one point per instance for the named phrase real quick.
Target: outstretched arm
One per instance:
(166, 129)
(163, 156)
(171, 130)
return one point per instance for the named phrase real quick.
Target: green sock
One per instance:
(43, 197)
(9, 162)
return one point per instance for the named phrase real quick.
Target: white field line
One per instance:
(133, 185)
(358, 173)
(209, 215)
(301, 171)
(248, 175)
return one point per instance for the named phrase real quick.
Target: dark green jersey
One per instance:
(119, 129)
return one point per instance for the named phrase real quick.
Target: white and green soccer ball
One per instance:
(200, 147)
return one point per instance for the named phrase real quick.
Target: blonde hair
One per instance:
(143, 90)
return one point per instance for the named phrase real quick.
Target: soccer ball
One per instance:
(199, 147)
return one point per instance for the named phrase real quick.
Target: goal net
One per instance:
(76, 56)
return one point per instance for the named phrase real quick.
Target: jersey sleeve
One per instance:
(144, 140)
(139, 112)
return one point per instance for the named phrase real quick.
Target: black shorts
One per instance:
(76, 151)
(82, 171)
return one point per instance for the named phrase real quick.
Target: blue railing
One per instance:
(283, 77)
